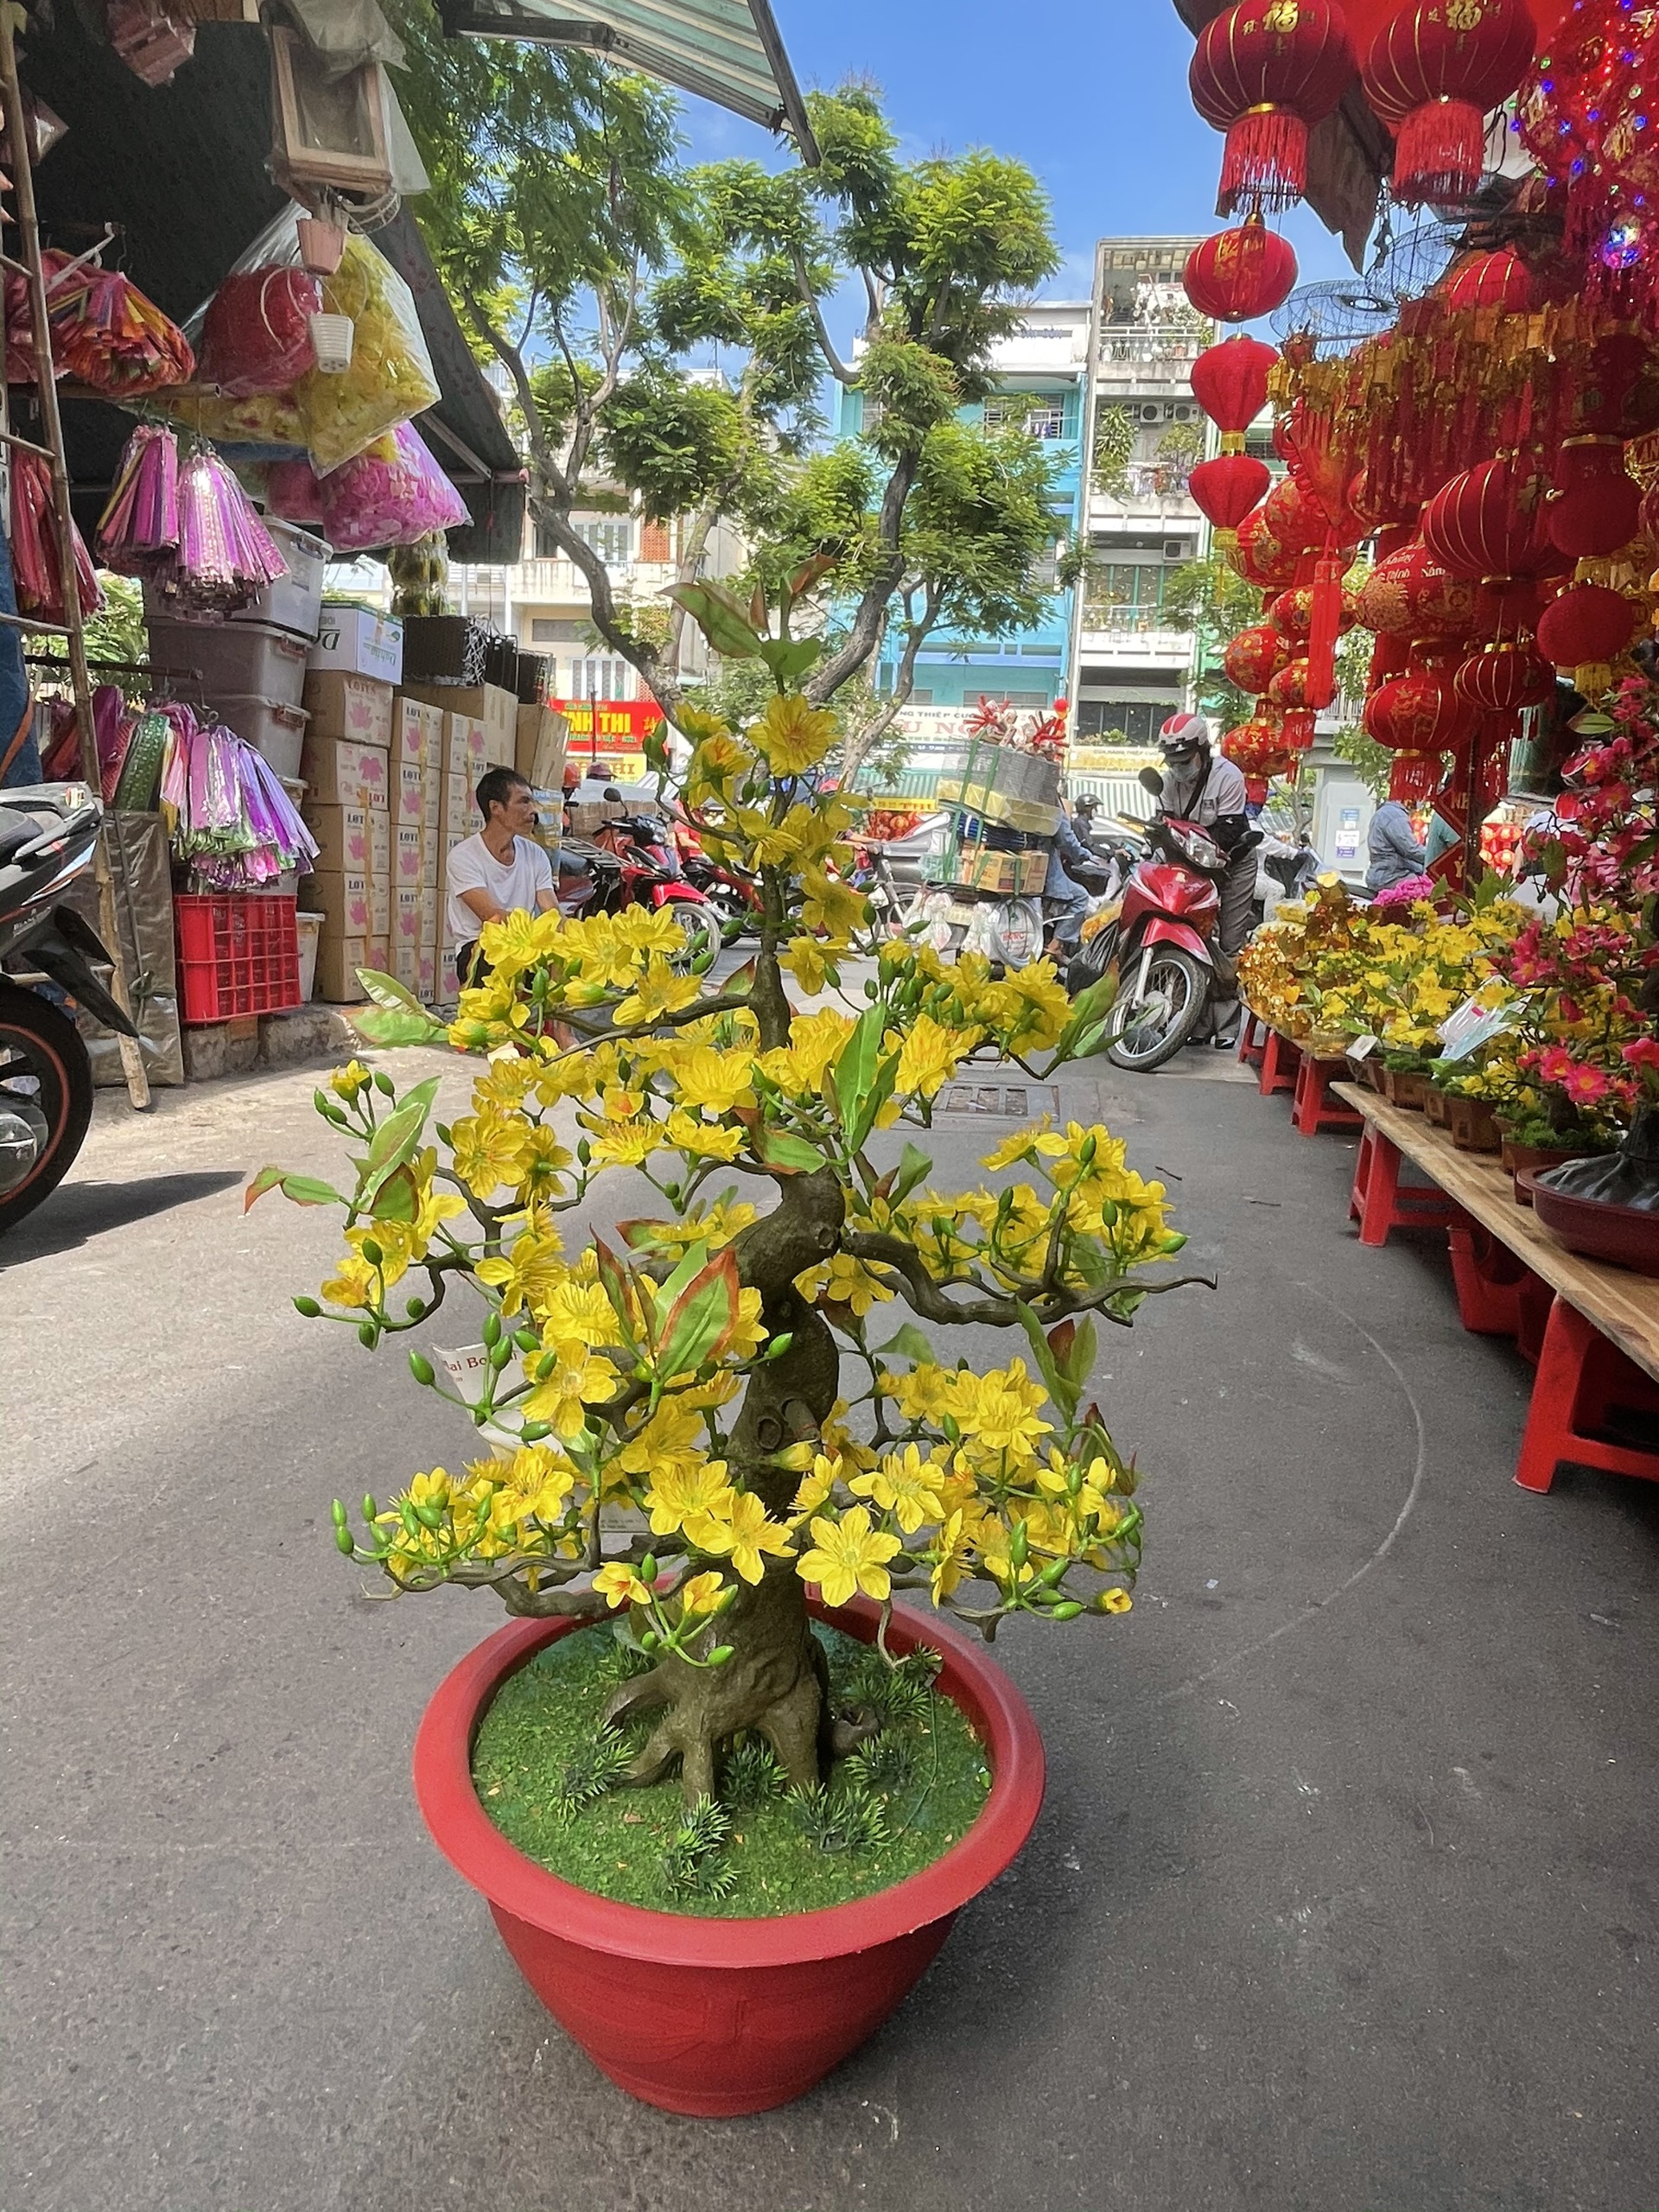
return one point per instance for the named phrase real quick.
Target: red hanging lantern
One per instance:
(1499, 280)
(1433, 74)
(1254, 657)
(1585, 630)
(1258, 750)
(1596, 511)
(1229, 382)
(1299, 694)
(1503, 677)
(1260, 558)
(1241, 275)
(1419, 718)
(1265, 74)
(1226, 490)
(1409, 594)
(1490, 526)
(1296, 519)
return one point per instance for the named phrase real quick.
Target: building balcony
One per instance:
(558, 583)
(1161, 354)
(1128, 644)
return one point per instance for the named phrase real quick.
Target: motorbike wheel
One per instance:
(44, 1073)
(1147, 1031)
(1015, 932)
(700, 926)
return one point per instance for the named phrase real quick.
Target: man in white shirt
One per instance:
(500, 871)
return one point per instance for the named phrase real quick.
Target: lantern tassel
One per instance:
(1265, 164)
(1326, 620)
(1414, 777)
(1440, 152)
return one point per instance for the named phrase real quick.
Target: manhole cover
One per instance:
(998, 1101)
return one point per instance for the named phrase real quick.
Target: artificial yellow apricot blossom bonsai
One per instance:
(681, 1442)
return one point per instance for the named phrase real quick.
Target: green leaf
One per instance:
(1079, 1361)
(387, 991)
(789, 658)
(304, 1189)
(398, 1196)
(875, 1098)
(911, 1344)
(396, 1140)
(1090, 1007)
(792, 1153)
(397, 1025)
(701, 1319)
(720, 618)
(691, 1265)
(856, 1065)
(1044, 1358)
(613, 1277)
(914, 1166)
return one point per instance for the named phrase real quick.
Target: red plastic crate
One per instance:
(239, 953)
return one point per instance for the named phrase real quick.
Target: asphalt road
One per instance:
(1345, 1897)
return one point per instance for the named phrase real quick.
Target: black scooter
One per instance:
(48, 832)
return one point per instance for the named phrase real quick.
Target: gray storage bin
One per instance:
(272, 726)
(238, 660)
(294, 602)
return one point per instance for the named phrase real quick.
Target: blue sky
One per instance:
(1091, 95)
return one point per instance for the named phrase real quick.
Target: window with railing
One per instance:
(1133, 721)
(601, 676)
(1125, 595)
(611, 538)
(557, 630)
(1037, 419)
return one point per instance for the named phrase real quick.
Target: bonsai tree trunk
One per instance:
(775, 1682)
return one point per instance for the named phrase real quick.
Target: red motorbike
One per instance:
(1157, 938)
(630, 863)
(734, 897)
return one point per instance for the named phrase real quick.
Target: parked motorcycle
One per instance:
(648, 873)
(734, 896)
(48, 832)
(1157, 938)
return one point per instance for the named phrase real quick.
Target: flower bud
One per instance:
(720, 1654)
(422, 1370)
(533, 1431)
(370, 1510)
(490, 1332)
(337, 1512)
(343, 1542)
(372, 1253)
(307, 1308)
(367, 1334)
(1067, 1610)
(383, 1084)
(780, 1345)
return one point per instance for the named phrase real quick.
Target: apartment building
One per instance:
(1041, 383)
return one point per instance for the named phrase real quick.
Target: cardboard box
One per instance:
(344, 705)
(494, 708)
(426, 985)
(538, 748)
(344, 899)
(351, 840)
(1015, 874)
(407, 859)
(340, 957)
(338, 772)
(406, 936)
(359, 641)
(408, 783)
(458, 815)
(432, 906)
(417, 729)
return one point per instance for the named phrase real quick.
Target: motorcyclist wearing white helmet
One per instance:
(1201, 786)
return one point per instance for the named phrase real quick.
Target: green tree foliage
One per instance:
(1209, 599)
(601, 274)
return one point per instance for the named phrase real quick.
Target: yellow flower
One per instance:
(929, 1056)
(701, 1594)
(842, 1281)
(849, 1555)
(805, 962)
(793, 734)
(950, 1556)
(706, 1140)
(717, 1080)
(353, 1284)
(746, 1534)
(619, 1585)
(487, 1149)
(1021, 1145)
(695, 1497)
(529, 1274)
(1002, 1409)
(576, 1313)
(628, 1143)
(577, 1381)
(834, 907)
(1113, 1601)
(906, 1486)
(815, 1488)
(351, 1081)
(658, 991)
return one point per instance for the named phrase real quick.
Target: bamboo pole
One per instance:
(22, 182)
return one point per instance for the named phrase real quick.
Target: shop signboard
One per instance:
(608, 736)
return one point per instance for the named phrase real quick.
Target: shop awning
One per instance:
(726, 51)
(1348, 155)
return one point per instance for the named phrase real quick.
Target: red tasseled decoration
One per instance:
(1265, 164)
(1413, 777)
(1440, 151)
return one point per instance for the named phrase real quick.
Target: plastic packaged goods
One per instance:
(257, 333)
(389, 494)
(390, 379)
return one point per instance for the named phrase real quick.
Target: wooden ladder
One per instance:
(26, 264)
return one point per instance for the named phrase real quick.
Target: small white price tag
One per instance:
(1363, 1047)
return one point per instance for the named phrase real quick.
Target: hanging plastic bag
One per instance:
(139, 530)
(34, 546)
(257, 334)
(389, 495)
(268, 422)
(390, 379)
(293, 492)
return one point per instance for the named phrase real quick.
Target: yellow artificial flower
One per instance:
(696, 1499)
(700, 1594)
(842, 1281)
(657, 992)
(715, 1081)
(619, 1585)
(950, 1557)
(793, 734)
(354, 1284)
(627, 1143)
(350, 1082)
(906, 1485)
(832, 906)
(528, 1275)
(804, 958)
(746, 1534)
(929, 1056)
(578, 1380)
(849, 1554)
(1113, 1601)
(1001, 1408)
(1021, 1145)
(487, 1148)
(704, 1140)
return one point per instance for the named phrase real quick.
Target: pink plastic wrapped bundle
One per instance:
(257, 333)
(389, 495)
(34, 546)
(293, 492)
(225, 552)
(226, 810)
(138, 531)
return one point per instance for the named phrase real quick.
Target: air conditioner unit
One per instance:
(1186, 414)
(1177, 548)
(1152, 413)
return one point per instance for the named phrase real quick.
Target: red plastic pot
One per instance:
(720, 2016)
